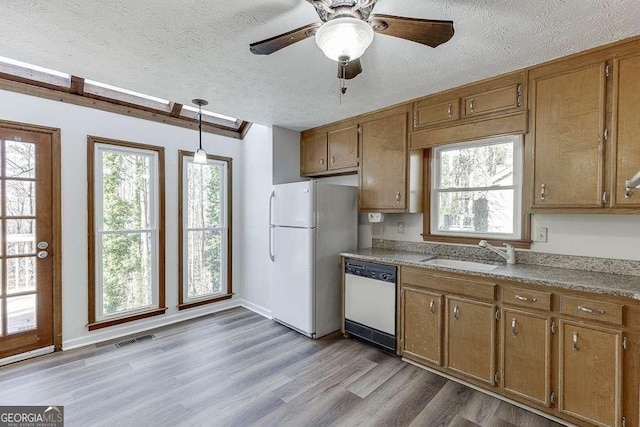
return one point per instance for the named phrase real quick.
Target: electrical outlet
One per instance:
(541, 234)
(401, 228)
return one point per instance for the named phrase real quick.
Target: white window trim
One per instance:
(518, 171)
(100, 149)
(223, 228)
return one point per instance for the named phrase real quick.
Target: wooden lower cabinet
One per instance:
(421, 336)
(590, 377)
(471, 338)
(525, 357)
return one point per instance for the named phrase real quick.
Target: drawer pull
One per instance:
(432, 306)
(514, 325)
(456, 312)
(527, 299)
(575, 341)
(590, 310)
(449, 111)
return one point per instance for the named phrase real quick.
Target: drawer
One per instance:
(427, 115)
(425, 279)
(593, 310)
(527, 298)
(493, 101)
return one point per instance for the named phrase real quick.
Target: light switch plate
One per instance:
(401, 228)
(541, 234)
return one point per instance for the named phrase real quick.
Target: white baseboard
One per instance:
(256, 308)
(151, 323)
(27, 355)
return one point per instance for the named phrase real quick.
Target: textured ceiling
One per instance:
(185, 49)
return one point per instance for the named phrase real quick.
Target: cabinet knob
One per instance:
(575, 341)
(514, 326)
(605, 198)
(398, 197)
(456, 312)
(321, 162)
(543, 191)
(449, 110)
(432, 306)
(471, 105)
(628, 191)
(333, 160)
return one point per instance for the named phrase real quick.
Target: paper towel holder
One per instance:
(375, 217)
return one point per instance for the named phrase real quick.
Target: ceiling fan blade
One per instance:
(352, 69)
(425, 31)
(274, 44)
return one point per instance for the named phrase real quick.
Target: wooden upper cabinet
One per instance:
(590, 383)
(526, 348)
(383, 166)
(568, 111)
(627, 136)
(343, 148)
(470, 338)
(426, 113)
(421, 325)
(494, 101)
(313, 153)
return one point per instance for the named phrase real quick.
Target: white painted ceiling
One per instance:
(180, 50)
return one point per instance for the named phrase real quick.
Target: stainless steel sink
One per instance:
(462, 265)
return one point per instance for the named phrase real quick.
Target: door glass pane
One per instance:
(21, 236)
(21, 275)
(126, 199)
(204, 269)
(126, 271)
(21, 198)
(204, 206)
(21, 313)
(21, 159)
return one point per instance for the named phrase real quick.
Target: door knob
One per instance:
(43, 254)
(43, 245)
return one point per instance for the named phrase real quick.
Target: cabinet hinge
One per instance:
(497, 314)
(625, 343)
(496, 378)
(519, 98)
(359, 130)
(415, 119)
(552, 398)
(607, 70)
(553, 329)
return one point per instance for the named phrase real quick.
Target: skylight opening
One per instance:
(125, 91)
(24, 70)
(34, 67)
(210, 113)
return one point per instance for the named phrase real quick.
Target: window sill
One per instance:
(112, 322)
(520, 244)
(204, 301)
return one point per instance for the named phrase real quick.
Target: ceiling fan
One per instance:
(347, 30)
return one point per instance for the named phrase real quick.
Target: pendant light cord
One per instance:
(200, 124)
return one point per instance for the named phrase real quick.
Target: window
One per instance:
(205, 232)
(476, 189)
(33, 72)
(211, 117)
(126, 219)
(103, 90)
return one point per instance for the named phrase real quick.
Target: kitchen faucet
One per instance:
(509, 254)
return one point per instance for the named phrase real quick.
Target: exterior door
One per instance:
(26, 233)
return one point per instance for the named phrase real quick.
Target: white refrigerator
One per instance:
(310, 223)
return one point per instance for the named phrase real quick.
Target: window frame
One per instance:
(183, 301)
(94, 146)
(520, 237)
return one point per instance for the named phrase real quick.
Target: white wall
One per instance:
(257, 176)
(603, 236)
(76, 123)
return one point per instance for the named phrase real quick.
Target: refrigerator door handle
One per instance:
(273, 195)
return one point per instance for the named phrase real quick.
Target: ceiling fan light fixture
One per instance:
(344, 37)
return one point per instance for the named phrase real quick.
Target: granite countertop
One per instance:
(578, 280)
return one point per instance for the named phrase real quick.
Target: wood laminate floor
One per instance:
(237, 368)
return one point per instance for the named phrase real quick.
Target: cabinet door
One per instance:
(627, 112)
(343, 148)
(421, 325)
(470, 332)
(313, 154)
(526, 355)
(590, 383)
(383, 165)
(568, 134)
(425, 115)
(494, 101)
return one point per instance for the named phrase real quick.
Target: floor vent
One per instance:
(134, 340)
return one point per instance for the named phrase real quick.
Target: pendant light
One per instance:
(201, 156)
